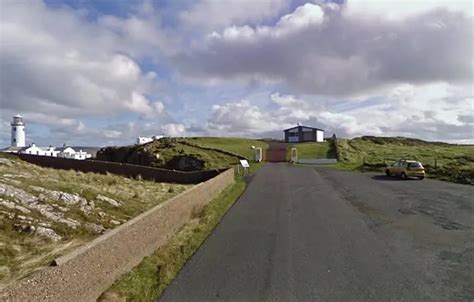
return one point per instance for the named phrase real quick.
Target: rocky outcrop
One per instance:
(69, 199)
(14, 206)
(47, 233)
(30, 202)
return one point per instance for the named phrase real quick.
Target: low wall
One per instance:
(323, 161)
(127, 170)
(87, 272)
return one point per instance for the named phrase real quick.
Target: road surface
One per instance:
(316, 234)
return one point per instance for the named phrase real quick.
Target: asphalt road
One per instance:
(315, 234)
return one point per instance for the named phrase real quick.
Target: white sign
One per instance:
(244, 163)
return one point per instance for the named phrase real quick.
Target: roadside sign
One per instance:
(244, 163)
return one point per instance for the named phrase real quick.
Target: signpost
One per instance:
(245, 165)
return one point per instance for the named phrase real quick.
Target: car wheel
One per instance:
(387, 172)
(403, 176)
(421, 177)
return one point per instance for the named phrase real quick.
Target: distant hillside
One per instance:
(442, 160)
(170, 153)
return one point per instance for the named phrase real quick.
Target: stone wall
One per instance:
(127, 170)
(91, 269)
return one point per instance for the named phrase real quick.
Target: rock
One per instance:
(102, 214)
(109, 200)
(94, 228)
(12, 205)
(47, 233)
(31, 202)
(62, 209)
(44, 224)
(21, 217)
(68, 198)
(8, 214)
(72, 199)
(185, 163)
(115, 222)
(17, 194)
(6, 162)
(24, 228)
(19, 175)
(87, 206)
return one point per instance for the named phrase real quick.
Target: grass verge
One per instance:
(449, 162)
(312, 150)
(149, 279)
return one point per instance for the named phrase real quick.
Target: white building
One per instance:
(18, 132)
(146, 139)
(69, 152)
(63, 152)
(43, 151)
(18, 145)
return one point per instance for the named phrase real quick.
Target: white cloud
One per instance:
(213, 14)
(320, 49)
(174, 130)
(143, 106)
(396, 10)
(54, 62)
(303, 17)
(433, 112)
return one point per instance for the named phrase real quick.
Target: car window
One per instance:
(415, 165)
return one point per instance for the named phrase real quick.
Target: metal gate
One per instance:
(276, 155)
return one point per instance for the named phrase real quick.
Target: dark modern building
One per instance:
(301, 134)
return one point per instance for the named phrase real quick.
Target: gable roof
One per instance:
(303, 127)
(91, 150)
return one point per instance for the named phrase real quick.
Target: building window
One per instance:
(14, 140)
(14, 128)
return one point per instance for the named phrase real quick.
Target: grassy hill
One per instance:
(185, 154)
(240, 146)
(169, 153)
(442, 160)
(45, 212)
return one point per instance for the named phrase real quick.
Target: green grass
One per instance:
(21, 253)
(214, 152)
(240, 146)
(161, 153)
(443, 161)
(148, 280)
(312, 150)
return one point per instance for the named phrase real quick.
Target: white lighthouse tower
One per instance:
(18, 131)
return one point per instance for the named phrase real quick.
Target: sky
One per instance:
(103, 72)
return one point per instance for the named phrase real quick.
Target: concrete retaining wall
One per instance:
(323, 161)
(127, 170)
(87, 272)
